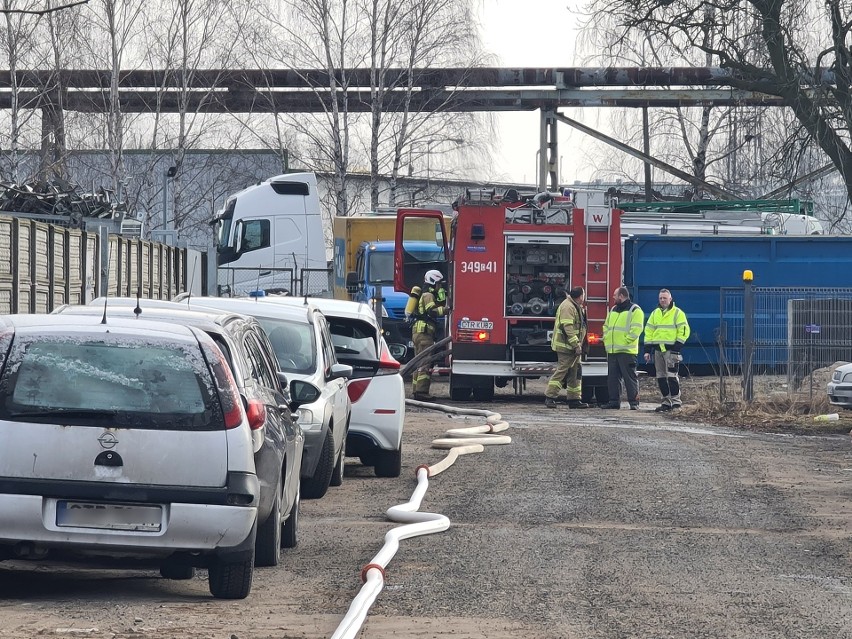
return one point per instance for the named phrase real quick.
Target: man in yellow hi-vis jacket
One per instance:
(665, 334)
(621, 332)
(569, 331)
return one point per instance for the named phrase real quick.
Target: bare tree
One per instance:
(376, 35)
(63, 35)
(116, 24)
(800, 54)
(19, 50)
(184, 37)
(414, 35)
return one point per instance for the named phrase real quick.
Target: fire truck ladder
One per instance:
(597, 282)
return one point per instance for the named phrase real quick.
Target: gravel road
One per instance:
(590, 524)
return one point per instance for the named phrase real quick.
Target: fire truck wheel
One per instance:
(595, 394)
(485, 394)
(459, 393)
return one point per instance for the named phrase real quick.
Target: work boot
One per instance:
(634, 405)
(550, 402)
(663, 408)
(424, 397)
(576, 403)
(611, 406)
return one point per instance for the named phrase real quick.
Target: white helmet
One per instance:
(433, 277)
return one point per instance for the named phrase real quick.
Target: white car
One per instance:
(376, 388)
(304, 348)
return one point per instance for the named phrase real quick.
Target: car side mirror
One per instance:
(282, 378)
(352, 283)
(340, 370)
(302, 392)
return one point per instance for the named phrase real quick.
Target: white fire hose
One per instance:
(459, 441)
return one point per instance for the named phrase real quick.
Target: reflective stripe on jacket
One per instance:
(665, 327)
(427, 310)
(569, 327)
(622, 329)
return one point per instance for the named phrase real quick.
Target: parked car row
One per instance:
(185, 433)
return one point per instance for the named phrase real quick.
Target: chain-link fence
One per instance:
(236, 281)
(315, 282)
(783, 334)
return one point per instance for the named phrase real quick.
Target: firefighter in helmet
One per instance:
(426, 304)
(569, 331)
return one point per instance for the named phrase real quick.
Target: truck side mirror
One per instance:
(352, 283)
(239, 229)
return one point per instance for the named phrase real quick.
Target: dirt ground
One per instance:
(590, 524)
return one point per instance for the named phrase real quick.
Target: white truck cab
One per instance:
(268, 234)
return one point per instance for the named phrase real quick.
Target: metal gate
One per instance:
(789, 331)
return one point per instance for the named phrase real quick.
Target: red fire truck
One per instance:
(509, 264)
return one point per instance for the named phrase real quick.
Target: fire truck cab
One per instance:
(511, 260)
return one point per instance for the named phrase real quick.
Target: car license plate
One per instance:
(81, 514)
(476, 325)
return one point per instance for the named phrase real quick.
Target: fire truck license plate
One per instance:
(476, 325)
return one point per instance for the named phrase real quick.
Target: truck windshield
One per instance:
(381, 264)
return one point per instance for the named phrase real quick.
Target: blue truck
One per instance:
(374, 268)
(700, 270)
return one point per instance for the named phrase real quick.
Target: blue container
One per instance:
(696, 268)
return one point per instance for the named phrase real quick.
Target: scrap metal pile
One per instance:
(60, 198)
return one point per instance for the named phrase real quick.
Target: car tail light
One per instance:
(593, 338)
(387, 364)
(225, 385)
(356, 388)
(482, 336)
(256, 414)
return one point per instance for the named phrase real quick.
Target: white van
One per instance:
(268, 234)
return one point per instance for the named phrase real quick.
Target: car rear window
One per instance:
(352, 339)
(355, 344)
(293, 343)
(121, 381)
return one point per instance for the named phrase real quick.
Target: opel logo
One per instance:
(108, 440)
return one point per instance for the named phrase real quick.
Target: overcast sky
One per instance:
(532, 33)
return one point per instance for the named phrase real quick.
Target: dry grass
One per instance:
(773, 408)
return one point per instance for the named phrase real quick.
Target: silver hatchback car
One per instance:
(840, 386)
(102, 428)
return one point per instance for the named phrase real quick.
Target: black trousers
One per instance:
(622, 366)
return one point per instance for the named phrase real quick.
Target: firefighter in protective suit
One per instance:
(569, 331)
(425, 305)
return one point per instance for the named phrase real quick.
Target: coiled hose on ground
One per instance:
(459, 441)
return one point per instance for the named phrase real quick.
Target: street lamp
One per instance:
(168, 174)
